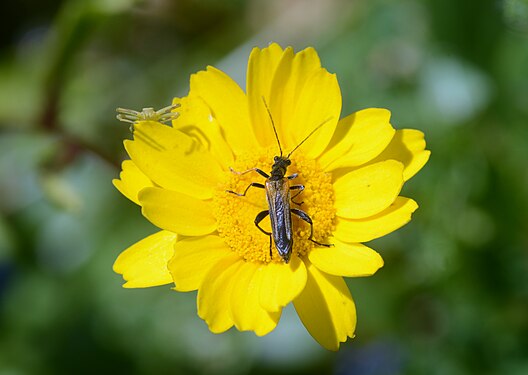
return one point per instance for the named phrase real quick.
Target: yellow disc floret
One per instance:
(236, 214)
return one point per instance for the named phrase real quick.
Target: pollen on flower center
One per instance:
(236, 215)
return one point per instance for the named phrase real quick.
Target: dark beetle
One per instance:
(278, 196)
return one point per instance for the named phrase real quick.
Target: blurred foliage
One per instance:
(453, 295)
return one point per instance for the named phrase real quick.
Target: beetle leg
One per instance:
(261, 215)
(259, 171)
(295, 175)
(254, 184)
(297, 187)
(303, 215)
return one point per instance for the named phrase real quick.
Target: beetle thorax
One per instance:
(279, 168)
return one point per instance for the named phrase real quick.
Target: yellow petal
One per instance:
(303, 96)
(346, 259)
(197, 121)
(326, 308)
(318, 104)
(368, 190)
(144, 264)
(228, 105)
(289, 77)
(362, 230)
(214, 295)
(246, 311)
(281, 283)
(177, 212)
(260, 72)
(193, 258)
(131, 181)
(173, 160)
(407, 146)
(359, 137)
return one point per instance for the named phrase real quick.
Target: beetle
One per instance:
(278, 196)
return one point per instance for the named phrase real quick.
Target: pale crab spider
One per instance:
(164, 116)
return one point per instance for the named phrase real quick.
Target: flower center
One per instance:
(236, 214)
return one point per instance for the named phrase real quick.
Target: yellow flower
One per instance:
(352, 169)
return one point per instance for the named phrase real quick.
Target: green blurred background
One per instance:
(453, 295)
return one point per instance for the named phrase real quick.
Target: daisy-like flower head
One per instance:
(352, 170)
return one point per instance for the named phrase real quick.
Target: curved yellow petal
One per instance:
(289, 77)
(173, 160)
(193, 258)
(228, 105)
(368, 190)
(144, 264)
(214, 295)
(346, 259)
(246, 311)
(197, 121)
(281, 283)
(318, 103)
(261, 69)
(303, 96)
(358, 138)
(362, 230)
(177, 212)
(326, 308)
(131, 181)
(407, 146)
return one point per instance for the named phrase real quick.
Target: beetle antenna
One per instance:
(308, 136)
(273, 124)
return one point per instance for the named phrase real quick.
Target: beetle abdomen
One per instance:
(278, 196)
